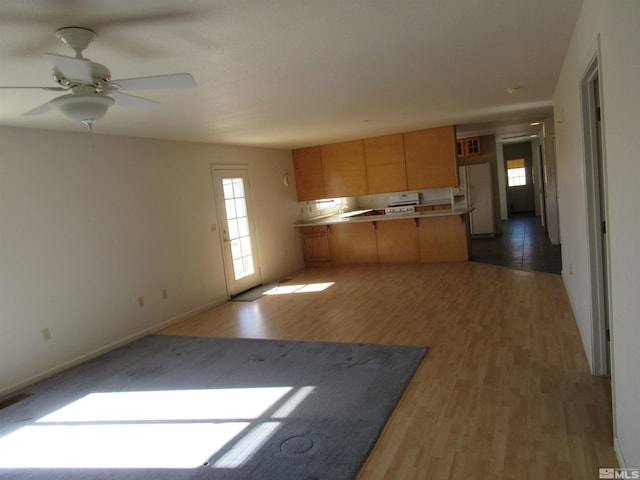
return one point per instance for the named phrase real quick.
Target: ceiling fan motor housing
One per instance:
(99, 73)
(78, 39)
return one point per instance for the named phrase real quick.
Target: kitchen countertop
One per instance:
(337, 219)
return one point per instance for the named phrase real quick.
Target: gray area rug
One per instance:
(172, 407)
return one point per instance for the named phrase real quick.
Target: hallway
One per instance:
(523, 245)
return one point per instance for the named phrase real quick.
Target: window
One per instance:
(516, 173)
(324, 206)
(329, 203)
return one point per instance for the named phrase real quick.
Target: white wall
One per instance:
(617, 23)
(85, 231)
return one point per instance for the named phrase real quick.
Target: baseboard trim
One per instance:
(618, 451)
(5, 392)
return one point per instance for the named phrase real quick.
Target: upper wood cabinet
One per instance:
(390, 163)
(344, 169)
(469, 147)
(430, 157)
(307, 166)
(386, 170)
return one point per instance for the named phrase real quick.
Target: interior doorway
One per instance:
(596, 188)
(237, 228)
(518, 160)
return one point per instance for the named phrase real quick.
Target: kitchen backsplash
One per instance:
(317, 208)
(434, 195)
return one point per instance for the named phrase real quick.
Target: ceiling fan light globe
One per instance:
(83, 108)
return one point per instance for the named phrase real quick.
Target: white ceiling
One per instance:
(292, 73)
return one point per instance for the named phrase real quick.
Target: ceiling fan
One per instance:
(92, 91)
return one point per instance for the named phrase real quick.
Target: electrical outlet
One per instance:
(140, 302)
(163, 293)
(46, 334)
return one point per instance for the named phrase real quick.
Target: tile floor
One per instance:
(523, 245)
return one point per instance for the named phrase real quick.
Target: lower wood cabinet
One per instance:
(398, 241)
(352, 243)
(406, 240)
(443, 239)
(315, 245)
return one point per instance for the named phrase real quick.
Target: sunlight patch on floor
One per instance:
(303, 288)
(153, 429)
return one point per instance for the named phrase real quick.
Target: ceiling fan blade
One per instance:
(133, 102)
(49, 89)
(174, 80)
(78, 69)
(44, 108)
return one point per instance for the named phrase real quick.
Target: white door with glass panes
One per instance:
(233, 198)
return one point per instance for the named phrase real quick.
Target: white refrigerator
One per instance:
(477, 183)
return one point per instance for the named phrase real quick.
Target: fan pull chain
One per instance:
(93, 143)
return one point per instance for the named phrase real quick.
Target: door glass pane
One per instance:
(230, 206)
(247, 265)
(236, 250)
(243, 227)
(240, 207)
(245, 246)
(227, 187)
(238, 187)
(238, 227)
(238, 269)
(233, 229)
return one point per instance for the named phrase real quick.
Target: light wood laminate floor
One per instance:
(505, 391)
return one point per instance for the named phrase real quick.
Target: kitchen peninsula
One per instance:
(423, 160)
(425, 235)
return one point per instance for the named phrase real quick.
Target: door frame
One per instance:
(221, 221)
(597, 214)
(551, 182)
(542, 195)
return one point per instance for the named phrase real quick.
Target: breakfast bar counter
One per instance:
(371, 236)
(376, 216)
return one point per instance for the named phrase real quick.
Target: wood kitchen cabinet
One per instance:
(443, 239)
(398, 241)
(430, 157)
(352, 243)
(344, 169)
(390, 163)
(468, 147)
(307, 166)
(386, 171)
(315, 245)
